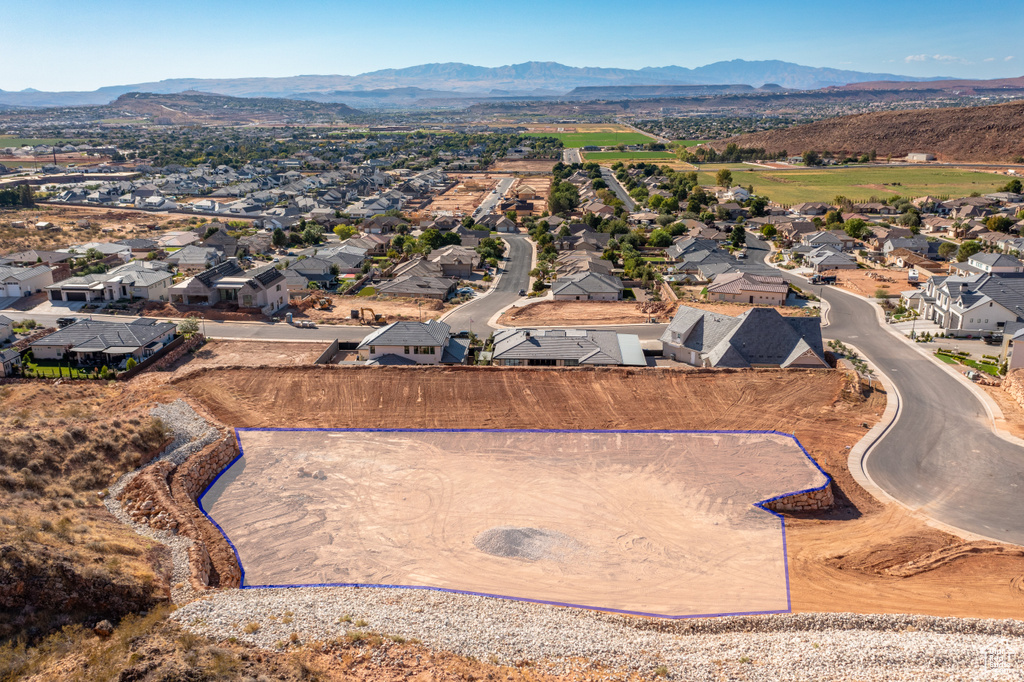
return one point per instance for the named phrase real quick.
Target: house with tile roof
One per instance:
(743, 287)
(95, 342)
(227, 282)
(566, 348)
(408, 342)
(23, 281)
(587, 286)
(760, 337)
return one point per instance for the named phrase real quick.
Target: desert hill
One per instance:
(990, 133)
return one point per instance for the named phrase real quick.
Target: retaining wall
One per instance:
(812, 501)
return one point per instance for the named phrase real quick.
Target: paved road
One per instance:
(620, 191)
(941, 456)
(473, 316)
(571, 156)
(493, 198)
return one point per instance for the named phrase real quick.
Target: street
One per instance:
(493, 198)
(620, 191)
(473, 316)
(571, 156)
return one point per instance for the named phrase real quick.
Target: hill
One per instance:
(205, 108)
(989, 133)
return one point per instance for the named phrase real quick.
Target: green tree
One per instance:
(758, 207)
(660, 238)
(856, 228)
(999, 223)
(833, 218)
(769, 231)
(967, 249)
(278, 238)
(946, 250)
(724, 178)
(25, 195)
(811, 158)
(188, 327)
(344, 231)
(312, 234)
(1012, 186)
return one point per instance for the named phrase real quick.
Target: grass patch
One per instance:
(622, 156)
(55, 369)
(858, 184)
(653, 259)
(367, 291)
(597, 139)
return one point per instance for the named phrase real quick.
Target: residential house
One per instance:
(760, 337)
(222, 241)
(262, 288)
(10, 362)
(996, 263)
(972, 303)
(193, 258)
(6, 328)
(588, 286)
(566, 348)
(810, 208)
(16, 282)
(96, 343)
(140, 248)
(413, 343)
(411, 286)
(742, 287)
(455, 261)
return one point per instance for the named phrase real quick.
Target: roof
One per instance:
(737, 282)
(412, 286)
(586, 346)
(228, 268)
(94, 336)
(6, 321)
(587, 283)
(760, 336)
(21, 274)
(1000, 260)
(409, 333)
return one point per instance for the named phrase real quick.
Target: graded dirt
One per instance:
(813, 405)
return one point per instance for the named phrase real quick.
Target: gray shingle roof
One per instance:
(587, 283)
(409, 333)
(97, 336)
(586, 346)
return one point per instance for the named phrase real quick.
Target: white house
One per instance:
(413, 343)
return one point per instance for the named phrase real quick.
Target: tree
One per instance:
(811, 158)
(660, 238)
(758, 207)
(564, 197)
(738, 236)
(947, 249)
(967, 249)
(467, 222)
(1012, 186)
(188, 327)
(211, 230)
(833, 218)
(999, 223)
(279, 238)
(724, 178)
(344, 231)
(25, 196)
(856, 228)
(130, 364)
(769, 231)
(312, 234)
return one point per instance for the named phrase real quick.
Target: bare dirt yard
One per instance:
(868, 282)
(105, 225)
(392, 309)
(863, 556)
(216, 353)
(463, 198)
(578, 313)
(524, 165)
(586, 518)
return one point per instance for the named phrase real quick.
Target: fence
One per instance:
(336, 346)
(151, 360)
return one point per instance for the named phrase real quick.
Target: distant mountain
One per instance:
(989, 134)
(529, 77)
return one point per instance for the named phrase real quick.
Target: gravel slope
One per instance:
(792, 647)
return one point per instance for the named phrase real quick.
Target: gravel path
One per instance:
(789, 647)
(191, 434)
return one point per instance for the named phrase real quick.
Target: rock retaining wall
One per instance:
(815, 500)
(1014, 385)
(164, 496)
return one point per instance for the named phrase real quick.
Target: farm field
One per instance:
(621, 156)
(858, 184)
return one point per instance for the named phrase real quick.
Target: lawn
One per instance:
(55, 369)
(367, 291)
(859, 184)
(622, 156)
(597, 139)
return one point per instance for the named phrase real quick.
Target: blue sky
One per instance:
(85, 44)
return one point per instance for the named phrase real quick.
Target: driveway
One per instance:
(942, 456)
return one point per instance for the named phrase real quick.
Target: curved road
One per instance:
(473, 316)
(941, 457)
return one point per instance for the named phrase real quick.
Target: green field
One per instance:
(10, 141)
(597, 139)
(859, 184)
(621, 156)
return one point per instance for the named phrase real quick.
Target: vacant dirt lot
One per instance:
(393, 309)
(525, 165)
(867, 282)
(253, 353)
(863, 557)
(580, 518)
(104, 225)
(465, 196)
(576, 313)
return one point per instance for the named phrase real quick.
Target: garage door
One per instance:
(12, 290)
(77, 296)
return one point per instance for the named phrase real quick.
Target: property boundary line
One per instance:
(761, 505)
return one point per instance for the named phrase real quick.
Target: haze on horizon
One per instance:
(87, 44)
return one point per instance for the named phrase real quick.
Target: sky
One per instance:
(86, 44)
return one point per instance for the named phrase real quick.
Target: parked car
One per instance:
(522, 292)
(66, 321)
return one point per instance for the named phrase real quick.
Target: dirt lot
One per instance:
(463, 198)
(524, 165)
(541, 184)
(581, 518)
(393, 309)
(252, 353)
(856, 558)
(578, 313)
(105, 225)
(867, 282)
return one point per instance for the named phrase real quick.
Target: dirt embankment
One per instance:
(580, 313)
(339, 309)
(990, 133)
(863, 556)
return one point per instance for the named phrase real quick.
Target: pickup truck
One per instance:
(823, 279)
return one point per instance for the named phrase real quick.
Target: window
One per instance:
(423, 350)
(541, 362)
(571, 363)
(511, 363)
(373, 349)
(406, 350)
(279, 287)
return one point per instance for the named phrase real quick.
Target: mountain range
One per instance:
(455, 80)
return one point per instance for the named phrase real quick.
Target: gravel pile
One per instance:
(191, 434)
(559, 640)
(531, 544)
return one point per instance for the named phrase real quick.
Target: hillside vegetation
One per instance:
(988, 134)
